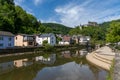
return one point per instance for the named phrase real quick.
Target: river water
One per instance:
(64, 65)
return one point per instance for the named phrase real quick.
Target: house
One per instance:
(50, 38)
(66, 40)
(76, 38)
(84, 39)
(6, 40)
(24, 40)
(92, 23)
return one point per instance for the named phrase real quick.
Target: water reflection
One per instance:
(77, 53)
(69, 71)
(49, 60)
(6, 67)
(65, 65)
(66, 54)
(81, 53)
(22, 62)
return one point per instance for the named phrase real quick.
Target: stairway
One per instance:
(103, 61)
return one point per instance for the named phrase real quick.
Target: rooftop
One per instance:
(46, 35)
(25, 34)
(5, 33)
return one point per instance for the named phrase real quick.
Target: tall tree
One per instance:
(113, 34)
(7, 15)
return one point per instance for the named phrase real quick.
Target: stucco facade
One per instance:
(49, 37)
(6, 40)
(24, 40)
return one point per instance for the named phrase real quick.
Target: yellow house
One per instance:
(24, 40)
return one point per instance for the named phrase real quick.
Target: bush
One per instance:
(45, 42)
(48, 47)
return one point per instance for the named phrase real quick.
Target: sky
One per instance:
(72, 12)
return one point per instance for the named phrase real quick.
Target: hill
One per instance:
(57, 28)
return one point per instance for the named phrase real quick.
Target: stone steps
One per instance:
(106, 57)
(102, 57)
(97, 56)
(98, 62)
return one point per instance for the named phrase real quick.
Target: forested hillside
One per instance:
(57, 28)
(16, 20)
(105, 32)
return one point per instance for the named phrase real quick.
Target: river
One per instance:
(64, 65)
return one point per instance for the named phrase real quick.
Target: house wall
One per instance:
(5, 43)
(51, 40)
(25, 43)
(64, 43)
(39, 40)
(18, 40)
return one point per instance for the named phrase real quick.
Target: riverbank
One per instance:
(35, 49)
(37, 52)
(116, 71)
(102, 57)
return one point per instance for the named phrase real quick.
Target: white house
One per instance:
(49, 37)
(84, 39)
(6, 40)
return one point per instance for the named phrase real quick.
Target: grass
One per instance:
(110, 74)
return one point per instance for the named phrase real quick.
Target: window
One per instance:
(52, 41)
(16, 38)
(52, 38)
(25, 38)
(30, 43)
(1, 45)
(1, 37)
(9, 44)
(9, 38)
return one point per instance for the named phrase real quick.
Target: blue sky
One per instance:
(72, 12)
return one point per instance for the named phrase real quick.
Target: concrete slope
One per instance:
(102, 57)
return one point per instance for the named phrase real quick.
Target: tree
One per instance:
(58, 39)
(75, 31)
(113, 34)
(48, 30)
(7, 15)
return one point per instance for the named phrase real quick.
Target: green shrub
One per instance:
(48, 47)
(45, 42)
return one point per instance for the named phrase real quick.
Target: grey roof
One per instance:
(24, 34)
(46, 35)
(5, 33)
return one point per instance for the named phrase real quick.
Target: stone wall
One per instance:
(116, 74)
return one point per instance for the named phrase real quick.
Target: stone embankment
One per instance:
(102, 57)
(116, 74)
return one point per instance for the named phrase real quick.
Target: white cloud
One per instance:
(36, 2)
(90, 10)
(18, 2)
(50, 20)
